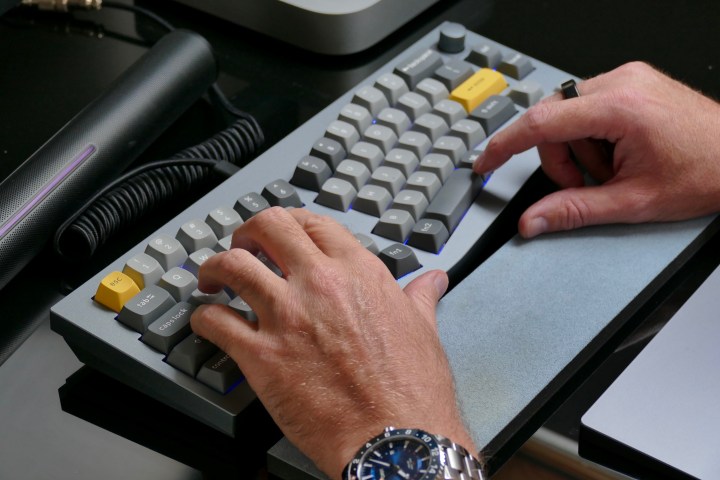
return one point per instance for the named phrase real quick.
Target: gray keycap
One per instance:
(143, 269)
(373, 200)
(413, 104)
(431, 125)
(354, 172)
(404, 160)
(382, 136)
(412, 201)
(453, 147)
(329, 150)
(395, 225)
(196, 234)
(526, 94)
(433, 90)
(367, 242)
(470, 131)
(392, 86)
(179, 283)
(223, 221)
(201, 298)
(390, 178)
(337, 194)
(418, 143)
(485, 55)
(453, 73)
(220, 372)
(516, 65)
(189, 355)
(371, 98)
(343, 133)
(494, 112)
(168, 251)
(280, 193)
(469, 158)
(399, 259)
(242, 308)
(145, 307)
(251, 204)
(450, 110)
(224, 244)
(170, 329)
(197, 258)
(265, 260)
(424, 182)
(417, 66)
(439, 164)
(357, 116)
(368, 154)
(395, 119)
(454, 198)
(311, 172)
(428, 234)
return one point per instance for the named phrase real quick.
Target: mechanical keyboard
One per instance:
(390, 159)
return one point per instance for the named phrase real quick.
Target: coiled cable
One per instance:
(126, 200)
(136, 193)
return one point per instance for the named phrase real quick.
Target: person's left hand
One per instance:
(339, 350)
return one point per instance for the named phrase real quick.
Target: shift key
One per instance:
(455, 197)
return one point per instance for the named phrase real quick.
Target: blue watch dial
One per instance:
(396, 458)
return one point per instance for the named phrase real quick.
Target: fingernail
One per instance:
(478, 163)
(536, 226)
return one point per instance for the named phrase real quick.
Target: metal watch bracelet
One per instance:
(460, 464)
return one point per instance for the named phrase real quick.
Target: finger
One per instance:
(276, 232)
(550, 122)
(594, 157)
(227, 330)
(245, 275)
(333, 239)
(578, 207)
(559, 166)
(427, 289)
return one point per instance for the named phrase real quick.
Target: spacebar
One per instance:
(455, 197)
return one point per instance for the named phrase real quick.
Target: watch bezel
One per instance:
(437, 454)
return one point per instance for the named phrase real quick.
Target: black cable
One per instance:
(142, 11)
(138, 192)
(124, 201)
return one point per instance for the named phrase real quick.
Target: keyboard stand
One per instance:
(525, 323)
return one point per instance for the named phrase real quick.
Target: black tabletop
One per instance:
(52, 65)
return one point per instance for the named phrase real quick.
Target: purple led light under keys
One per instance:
(45, 191)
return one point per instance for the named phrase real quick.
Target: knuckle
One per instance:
(537, 117)
(636, 68)
(576, 213)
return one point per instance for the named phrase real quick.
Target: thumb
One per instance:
(427, 289)
(579, 207)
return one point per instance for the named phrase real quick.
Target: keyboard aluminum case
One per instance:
(105, 344)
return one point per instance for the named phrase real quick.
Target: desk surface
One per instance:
(282, 87)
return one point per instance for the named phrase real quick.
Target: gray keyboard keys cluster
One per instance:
(390, 160)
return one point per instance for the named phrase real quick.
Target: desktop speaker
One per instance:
(99, 143)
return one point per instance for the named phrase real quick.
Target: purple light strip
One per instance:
(49, 187)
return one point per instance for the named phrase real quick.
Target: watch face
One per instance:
(402, 456)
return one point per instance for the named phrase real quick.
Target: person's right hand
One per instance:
(665, 163)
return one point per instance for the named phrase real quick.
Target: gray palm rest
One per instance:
(525, 321)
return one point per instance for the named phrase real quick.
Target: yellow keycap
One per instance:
(476, 89)
(114, 290)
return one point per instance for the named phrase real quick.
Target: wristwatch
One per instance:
(412, 454)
